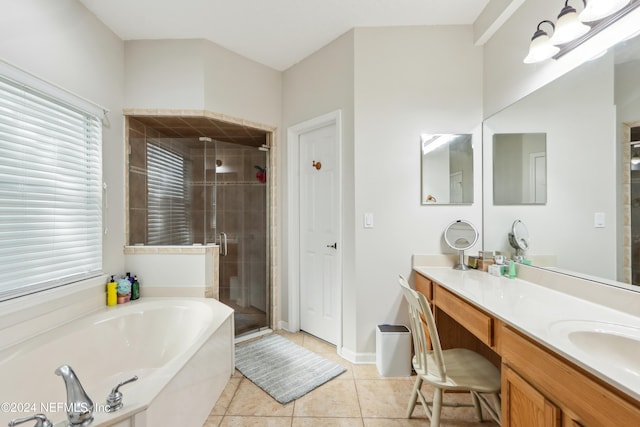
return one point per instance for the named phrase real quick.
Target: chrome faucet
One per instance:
(79, 404)
(40, 419)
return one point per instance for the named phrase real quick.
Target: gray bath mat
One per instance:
(283, 369)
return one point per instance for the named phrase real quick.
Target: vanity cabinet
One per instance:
(523, 405)
(540, 388)
(535, 377)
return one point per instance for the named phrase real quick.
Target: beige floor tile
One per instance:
(337, 398)
(335, 357)
(227, 394)
(317, 345)
(233, 421)
(387, 398)
(251, 400)
(394, 422)
(213, 421)
(326, 422)
(295, 337)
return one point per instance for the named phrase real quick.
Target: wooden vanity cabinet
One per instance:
(540, 388)
(424, 286)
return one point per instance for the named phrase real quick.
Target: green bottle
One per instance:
(135, 289)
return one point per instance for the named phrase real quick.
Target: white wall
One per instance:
(200, 75)
(407, 82)
(62, 42)
(392, 84)
(322, 83)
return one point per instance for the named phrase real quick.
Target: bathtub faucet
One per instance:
(79, 404)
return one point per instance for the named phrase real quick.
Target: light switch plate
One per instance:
(368, 220)
(599, 220)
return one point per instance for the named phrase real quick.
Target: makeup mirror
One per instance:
(519, 237)
(460, 235)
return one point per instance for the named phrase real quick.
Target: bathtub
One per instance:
(181, 349)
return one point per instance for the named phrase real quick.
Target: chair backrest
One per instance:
(423, 338)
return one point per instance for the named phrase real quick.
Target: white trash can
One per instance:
(393, 350)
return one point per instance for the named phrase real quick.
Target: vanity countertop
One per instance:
(602, 340)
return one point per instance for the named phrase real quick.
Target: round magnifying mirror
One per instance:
(460, 235)
(519, 237)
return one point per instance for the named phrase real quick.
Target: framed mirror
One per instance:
(446, 169)
(460, 235)
(520, 168)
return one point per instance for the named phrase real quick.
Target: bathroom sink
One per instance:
(611, 343)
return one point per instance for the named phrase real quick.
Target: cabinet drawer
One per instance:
(475, 321)
(593, 402)
(424, 286)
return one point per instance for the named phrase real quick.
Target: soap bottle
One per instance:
(512, 269)
(135, 289)
(112, 294)
(129, 277)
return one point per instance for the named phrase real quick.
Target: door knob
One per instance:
(334, 246)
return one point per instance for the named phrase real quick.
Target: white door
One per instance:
(538, 177)
(319, 246)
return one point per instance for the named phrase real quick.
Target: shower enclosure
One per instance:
(198, 190)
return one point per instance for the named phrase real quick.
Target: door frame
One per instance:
(292, 253)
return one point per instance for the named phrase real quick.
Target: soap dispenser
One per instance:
(512, 269)
(112, 293)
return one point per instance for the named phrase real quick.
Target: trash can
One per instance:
(393, 350)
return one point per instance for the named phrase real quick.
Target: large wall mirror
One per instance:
(446, 169)
(586, 116)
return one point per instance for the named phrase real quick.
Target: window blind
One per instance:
(50, 191)
(168, 199)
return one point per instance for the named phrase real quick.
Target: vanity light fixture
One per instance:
(540, 47)
(568, 26)
(570, 32)
(598, 9)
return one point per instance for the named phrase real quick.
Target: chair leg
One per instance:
(476, 405)
(436, 408)
(414, 396)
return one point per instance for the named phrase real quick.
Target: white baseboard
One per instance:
(358, 358)
(284, 325)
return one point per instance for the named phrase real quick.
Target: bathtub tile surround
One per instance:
(352, 399)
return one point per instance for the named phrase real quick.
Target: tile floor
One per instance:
(360, 397)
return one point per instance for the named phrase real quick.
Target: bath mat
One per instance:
(283, 369)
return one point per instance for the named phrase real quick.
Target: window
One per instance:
(169, 203)
(50, 191)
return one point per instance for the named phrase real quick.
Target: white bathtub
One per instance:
(181, 349)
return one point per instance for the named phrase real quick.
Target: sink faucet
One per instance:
(79, 404)
(40, 419)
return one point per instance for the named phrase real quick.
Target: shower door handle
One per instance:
(223, 244)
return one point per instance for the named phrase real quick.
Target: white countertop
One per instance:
(547, 316)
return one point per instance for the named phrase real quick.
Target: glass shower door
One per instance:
(241, 209)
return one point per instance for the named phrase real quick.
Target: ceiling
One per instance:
(276, 33)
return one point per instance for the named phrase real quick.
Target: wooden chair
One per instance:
(452, 369)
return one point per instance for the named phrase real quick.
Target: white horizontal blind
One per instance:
(50, 191)
(168, 209)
